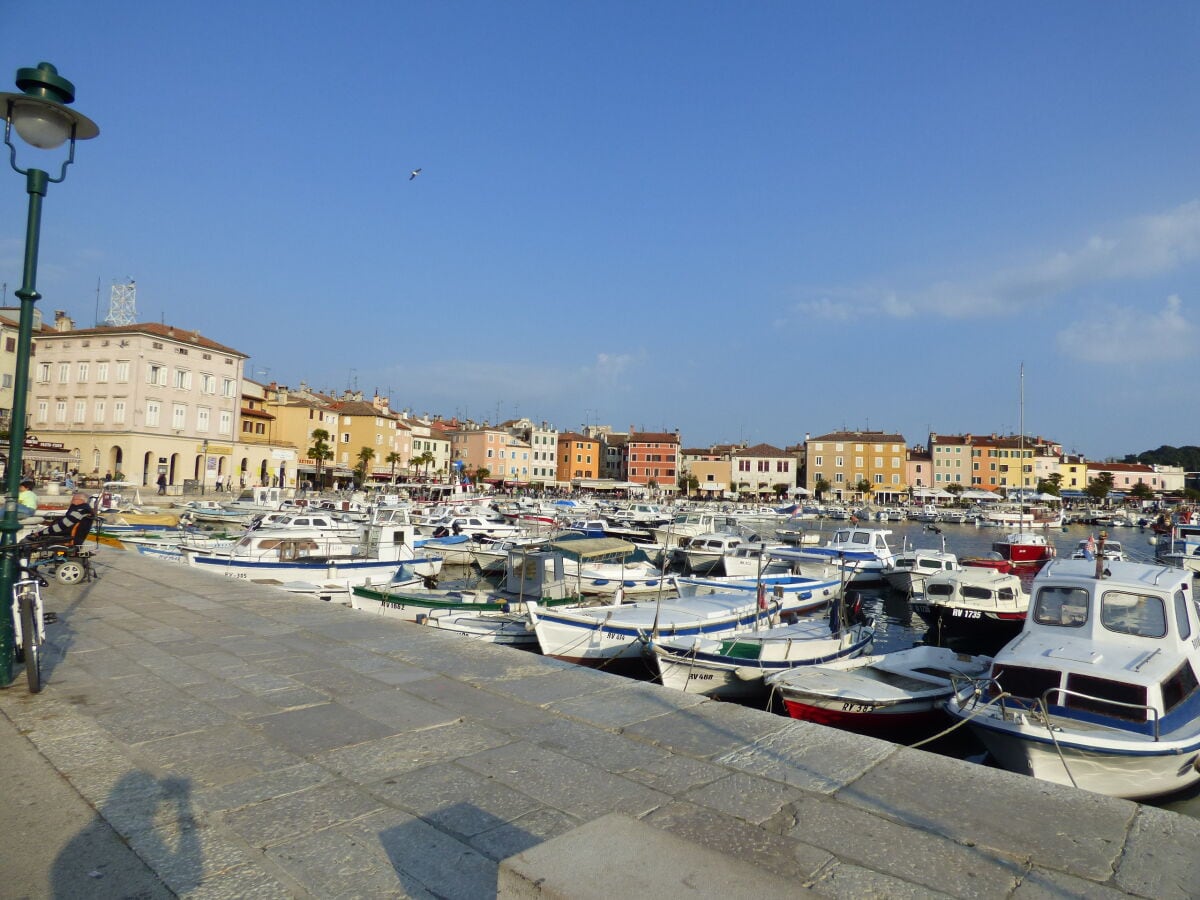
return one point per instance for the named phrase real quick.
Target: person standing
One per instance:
(162, 482)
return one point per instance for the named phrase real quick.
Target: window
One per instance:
(178, 416)
(122, 372)
(43, 411)
(202, 414)
(225, 425)
(43, 374)
(64, 373)
(98, 415)
(183, 379)
(1181, 616)
(152, 411)
(839, 461)
(227, 387)
(345, 437)
(6, 380)
(80, 412)
(208, 384)
(156, 374)
(10, 345)
(83, 373)
(60, 411)
(1061, 606)
(818, 461)
(118, 412)
(102, 372)
(1138, 614)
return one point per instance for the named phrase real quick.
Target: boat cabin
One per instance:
(1118, 647)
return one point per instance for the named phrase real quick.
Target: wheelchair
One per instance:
(62, 557)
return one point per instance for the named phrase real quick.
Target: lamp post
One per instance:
(41, 117)
(204, 470)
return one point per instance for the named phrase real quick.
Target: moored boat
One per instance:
(735, 666)
(891, 695)
(1025, 548)
(975, 610)
(1100, 688)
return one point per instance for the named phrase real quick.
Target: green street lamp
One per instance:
(42, 119)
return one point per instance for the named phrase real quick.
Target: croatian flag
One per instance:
(1089, 552)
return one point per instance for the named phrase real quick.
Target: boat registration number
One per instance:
(967, 614)
(849, 706)
(235, 575)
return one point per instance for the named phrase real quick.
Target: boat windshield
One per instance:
(1061, 606)
(1137, 614)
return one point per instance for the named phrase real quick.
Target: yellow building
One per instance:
(846, 459)
(578, 457)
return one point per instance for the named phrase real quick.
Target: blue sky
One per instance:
(744, 221)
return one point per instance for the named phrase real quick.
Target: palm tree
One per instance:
(393, 458)
(320, 451)
(426, 458)
(364, 456)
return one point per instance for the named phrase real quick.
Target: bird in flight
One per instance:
(414, 174)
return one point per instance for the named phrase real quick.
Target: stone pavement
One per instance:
(245, 742)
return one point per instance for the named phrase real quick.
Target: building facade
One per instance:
(136, 401)
(846, 459)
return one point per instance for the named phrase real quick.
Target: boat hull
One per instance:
(1134, 769)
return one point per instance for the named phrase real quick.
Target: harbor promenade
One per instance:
(206, 737)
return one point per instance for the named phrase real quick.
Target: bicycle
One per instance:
(29, 617)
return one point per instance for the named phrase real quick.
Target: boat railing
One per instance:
(1066, 692)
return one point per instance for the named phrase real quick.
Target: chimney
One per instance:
(62, 322)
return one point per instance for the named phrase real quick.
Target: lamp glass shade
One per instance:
(41, 125)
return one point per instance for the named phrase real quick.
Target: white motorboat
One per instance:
(690, 524)
(863, 553)
(706, 552)
(975, 609)
(1100, 688)
(1089, 548)
(910, 568)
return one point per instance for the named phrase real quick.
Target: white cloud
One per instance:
(1124, 336)
(1143, 247)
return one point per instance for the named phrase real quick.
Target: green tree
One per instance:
(364, 457)
(393, 458)
(1141, 491)
(821, 488)
(425, 458)
(1051, 485)
(320, 452)
(1100, 486)
(689, 484)
(864, 487)
(954, 488)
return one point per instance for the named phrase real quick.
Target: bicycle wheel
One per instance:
(31, 637)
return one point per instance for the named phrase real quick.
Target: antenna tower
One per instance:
(122, 304)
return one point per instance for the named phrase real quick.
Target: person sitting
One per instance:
(27, 500)
(71, 527)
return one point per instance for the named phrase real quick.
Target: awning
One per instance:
(592, 548)
(62, 456)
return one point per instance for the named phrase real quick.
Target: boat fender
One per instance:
(747, 673)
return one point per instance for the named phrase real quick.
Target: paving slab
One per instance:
(240, 741)
(583, 863)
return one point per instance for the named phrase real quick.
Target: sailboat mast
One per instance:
(1021, 452)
